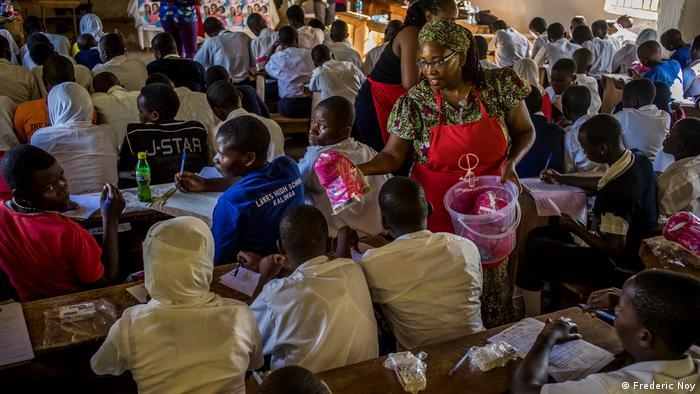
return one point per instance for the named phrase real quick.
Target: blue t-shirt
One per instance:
(549, 140)
(89, 58)
(666, 72)
(247, 215)
(682, 56)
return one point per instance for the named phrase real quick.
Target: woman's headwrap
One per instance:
(447, 34)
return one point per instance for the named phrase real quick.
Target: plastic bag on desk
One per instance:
(77, 322)
(490, 356)
(343, 182)
(684, 229)
(409, 369)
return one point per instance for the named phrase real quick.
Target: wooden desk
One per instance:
(116, 295)
(357, 29)
(475, 29)
(371, 377)
(691, 264)
(611, 94)
(135, 211)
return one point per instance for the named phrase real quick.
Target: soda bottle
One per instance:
(358, 6)
(143, 178)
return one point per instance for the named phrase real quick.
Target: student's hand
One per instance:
(111, 202)
(270, 266)
(551, 176)
(509, 174)
(249, 260)
(190, 182)
(560, 330)
(633, 74)
(620, 83)
(347, 240)
(606, 299)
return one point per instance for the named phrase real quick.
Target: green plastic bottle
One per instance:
(143, 178)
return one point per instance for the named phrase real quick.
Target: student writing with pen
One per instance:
(625, 210)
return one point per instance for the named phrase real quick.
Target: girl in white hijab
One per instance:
(527, 69)
(186, 338)
(87, 152)
(89, 24)
(626, 57)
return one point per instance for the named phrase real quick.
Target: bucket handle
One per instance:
(518, 214)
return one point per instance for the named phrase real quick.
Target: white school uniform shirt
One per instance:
(309, 37)
(624, 36)
(644, 128)
(276, 147)
(538, 44)
(18, 83)
(372, 57)
(603, 52)
(83, 77)
(292, 67)
(364, 215)
(575, 159)
(511, 46)
(194, 106)
(428, 285)
(14, 49)
(29, 64)
(8, 138)
(116, 108)
(678, 375)
(691, 79)
(132, 73)
(262, 45)
(553, 51)
(87, 153)
(320, 317)
(186, 339)
(60, 43)
(230, 50)
(337, 78)
(592, 84)
(344, 52)
(679, 187)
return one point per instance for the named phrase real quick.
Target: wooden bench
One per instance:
(292, 125)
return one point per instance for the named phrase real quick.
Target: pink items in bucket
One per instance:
(343, 182)
(486, 212)
(683, 228)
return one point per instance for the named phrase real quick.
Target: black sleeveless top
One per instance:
(388, 67)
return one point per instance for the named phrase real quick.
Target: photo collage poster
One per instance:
(232, 13)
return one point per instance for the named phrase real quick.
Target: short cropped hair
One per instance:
(246, 134)
(303, 228)
(602, 129)
(555, 31)
(641, 89)
(538, 25)
(160, 98)
(222, 94)
(403, 203)
(287, 35)
(292, 380)
(21, 162)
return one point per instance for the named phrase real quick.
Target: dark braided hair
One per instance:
(471, 70)
(415, 16)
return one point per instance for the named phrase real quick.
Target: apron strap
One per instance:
(438, 95)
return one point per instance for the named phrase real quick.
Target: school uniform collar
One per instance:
(580, 121)
(172, 56)
(116, 88)
(236, 113)
(415, 235)
(618, 168)
(118, 59)
(680, 164)
(677, 369)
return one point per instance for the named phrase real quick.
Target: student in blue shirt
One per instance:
(247, 215)
(549, 141)
(672, 40)
(666, 71)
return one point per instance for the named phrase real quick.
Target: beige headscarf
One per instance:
(178, 258)
(527, 70)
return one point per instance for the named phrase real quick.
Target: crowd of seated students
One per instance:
(78, 124)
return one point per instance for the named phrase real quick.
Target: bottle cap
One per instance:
(141, 155)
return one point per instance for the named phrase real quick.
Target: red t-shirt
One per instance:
(5, 192)
(46, 254)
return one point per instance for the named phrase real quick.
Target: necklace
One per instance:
(22, 207)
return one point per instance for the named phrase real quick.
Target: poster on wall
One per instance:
(232, 13)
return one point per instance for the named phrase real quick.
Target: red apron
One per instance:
(448, 144)
(384, 96)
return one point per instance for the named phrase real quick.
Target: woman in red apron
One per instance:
(459, 117)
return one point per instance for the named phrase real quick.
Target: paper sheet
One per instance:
(200, 204)
(245, 281)
(553, 200)
(15, 345)
(569, 361)
(210, 173)
(87, 205)
(139, 292)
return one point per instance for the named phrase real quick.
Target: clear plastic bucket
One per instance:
(494, 233)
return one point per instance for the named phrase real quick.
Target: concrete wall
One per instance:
(690, 20)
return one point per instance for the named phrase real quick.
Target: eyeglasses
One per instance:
(438, 63)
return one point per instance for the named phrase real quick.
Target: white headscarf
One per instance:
(528, 70)
(627, 55)
(91, 24)
(68, 104)
(178, 258)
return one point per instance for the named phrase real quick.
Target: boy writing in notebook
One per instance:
(625, 211)
(428, 284)
(657, 316)
(331, 123)
(321, 316)
(43, 253)
(248, 214)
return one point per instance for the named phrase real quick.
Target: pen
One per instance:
(182, 163)
(235, 272)
(459, 363)
(546, 165)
